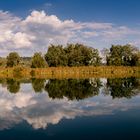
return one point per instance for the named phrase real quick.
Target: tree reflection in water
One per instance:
(13, 85)
(38, 84)
(123, 87)
(73, 88)
(78, 89)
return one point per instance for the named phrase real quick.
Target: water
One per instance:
(83, 109)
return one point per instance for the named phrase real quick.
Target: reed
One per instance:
(73, 72)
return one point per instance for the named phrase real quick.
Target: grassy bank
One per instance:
(71, 72)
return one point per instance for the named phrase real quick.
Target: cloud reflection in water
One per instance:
(39, 110)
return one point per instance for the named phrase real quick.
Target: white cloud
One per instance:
(22, 39)
(38, 30)
(98, 26)
(119, 33)
(11, 35)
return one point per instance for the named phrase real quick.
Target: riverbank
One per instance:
(71, 72)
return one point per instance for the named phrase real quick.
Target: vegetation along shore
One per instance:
(74, 60)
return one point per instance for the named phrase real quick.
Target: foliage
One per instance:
(2, 62)
(38, 61)
(136, 59)
(122, 55)
(13, 59)
(72, 55)
(56, 56)
(80, 55)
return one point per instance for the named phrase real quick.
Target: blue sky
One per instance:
(119, 11)
(96, 23)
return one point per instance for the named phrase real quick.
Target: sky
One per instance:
(29, 26)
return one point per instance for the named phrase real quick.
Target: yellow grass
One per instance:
(74, 72)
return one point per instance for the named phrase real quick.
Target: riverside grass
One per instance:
(71, 72)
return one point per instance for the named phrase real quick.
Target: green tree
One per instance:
(122, 55)
(38, 61)
(56, 56)
(135, 59)
(2, 62)
(72, 55)
(81, 55)
(13, 59)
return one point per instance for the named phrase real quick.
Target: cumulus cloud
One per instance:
(36, 31)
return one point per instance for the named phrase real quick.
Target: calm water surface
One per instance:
(43, 109)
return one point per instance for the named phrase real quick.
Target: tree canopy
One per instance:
(126, 55)
(13, 59)
(56, 56)
(38, 61)
(72, 55)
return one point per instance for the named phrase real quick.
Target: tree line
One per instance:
(77, 55)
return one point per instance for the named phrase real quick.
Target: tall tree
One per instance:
(136, 59)
(81, 55)
(72, 55)
(56, 56)
(38, 61)
(13, 59)
(122, 55)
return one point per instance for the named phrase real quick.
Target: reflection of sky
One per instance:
(39, 110)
